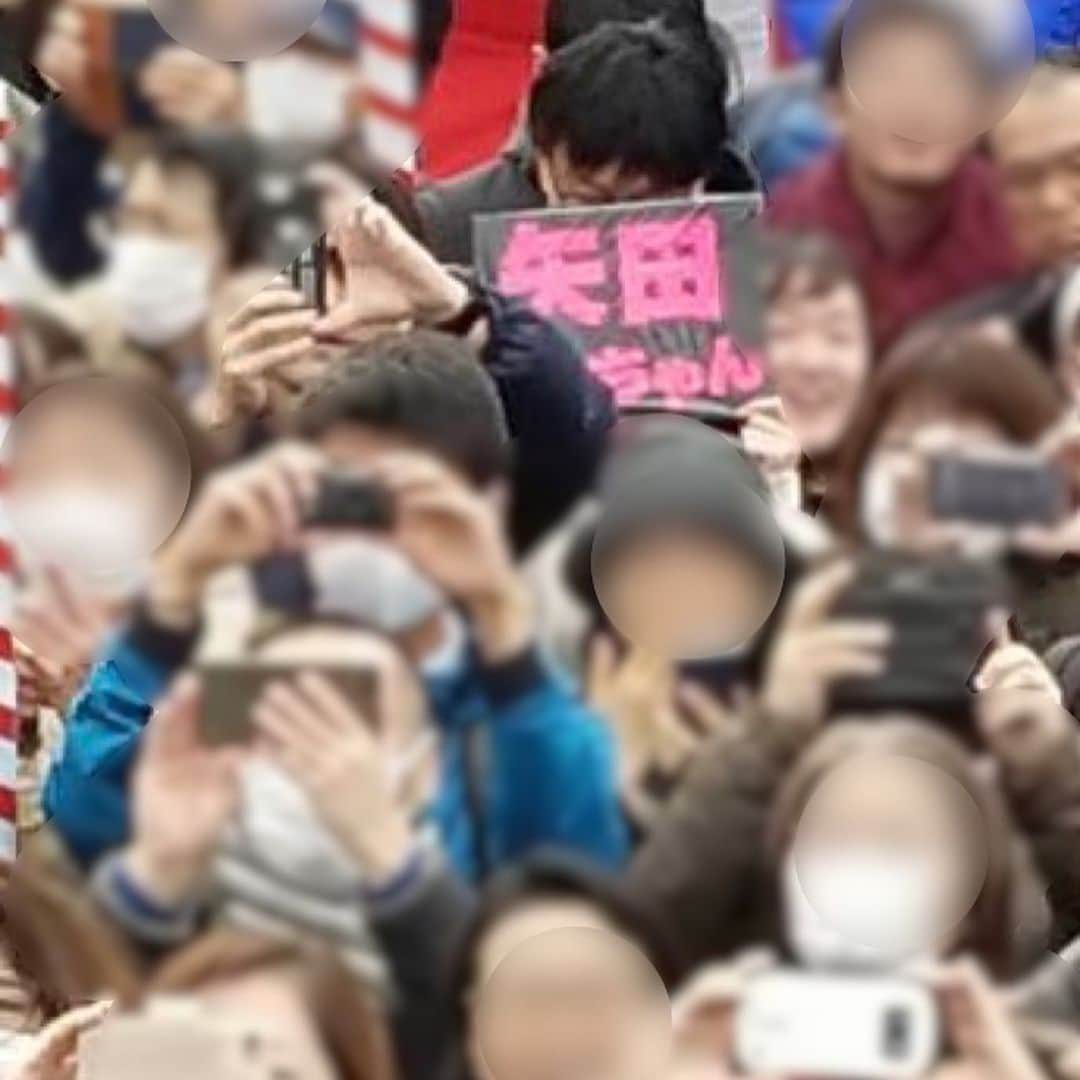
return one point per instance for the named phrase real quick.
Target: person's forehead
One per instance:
(806, 293)
(1043, 122)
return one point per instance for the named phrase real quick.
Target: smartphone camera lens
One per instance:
(897, 1034)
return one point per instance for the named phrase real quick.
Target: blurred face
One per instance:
(684, 593)
(819, 352)
(565, 184)
(915, 79)
(905, 165)
(93, 491)
(890, 853)
(896, 504)
(238, 30)
(560, 996)
(1037, 149)
(177, 204)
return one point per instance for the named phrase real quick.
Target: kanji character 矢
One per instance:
(545, 266)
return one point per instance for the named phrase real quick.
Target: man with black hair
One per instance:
(566, 21)
(1037, 149)
(922, 220)
(626, 112)
(415, 418)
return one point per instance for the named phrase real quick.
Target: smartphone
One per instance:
(1005, 492)
(810, 1024)
(309, 275)
(230, 691)
(937, 609)
(349, 501)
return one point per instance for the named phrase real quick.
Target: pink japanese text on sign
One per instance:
(648, 289)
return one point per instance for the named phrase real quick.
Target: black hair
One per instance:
(426, 386)
(569, 20)
(550, 875)
(639, 96)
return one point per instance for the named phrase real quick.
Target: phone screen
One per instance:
(230, 692)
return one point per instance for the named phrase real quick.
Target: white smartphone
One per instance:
(810, 1024)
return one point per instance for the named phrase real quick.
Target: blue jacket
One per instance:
(524, 764)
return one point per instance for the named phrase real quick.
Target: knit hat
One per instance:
(671, 470)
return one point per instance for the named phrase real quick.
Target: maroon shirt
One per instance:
(971, 249)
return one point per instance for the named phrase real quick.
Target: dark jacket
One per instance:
(509, 184)
(559, 415)
(705, 869)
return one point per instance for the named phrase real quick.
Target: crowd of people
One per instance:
(394, 706)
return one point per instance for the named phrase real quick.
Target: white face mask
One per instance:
(859, 908)
(93, 532)
(372, 582)
(284, 832)
(294, 96)
(161, 287)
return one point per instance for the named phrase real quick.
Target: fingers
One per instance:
(1015, 666)
(815, 599)
(704, 709)
(174, 725)
(332, 704)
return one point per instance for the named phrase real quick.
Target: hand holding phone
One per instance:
(352, 502)
(231, 692)
(823, 1025)
(937, 611)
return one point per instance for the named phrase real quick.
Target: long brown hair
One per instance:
(967, 370)
(1010, 892)
(69, 950)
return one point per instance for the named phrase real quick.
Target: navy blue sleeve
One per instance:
(559, 415)
(60, 192)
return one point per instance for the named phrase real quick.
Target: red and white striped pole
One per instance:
(9, 733)
(389, 30)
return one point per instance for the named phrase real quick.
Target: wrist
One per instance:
(384, 854)
(174, 594)
(455, 297)
(502, 620)
(167, 879)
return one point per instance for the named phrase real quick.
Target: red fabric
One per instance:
(475, 100)
(970, 250)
